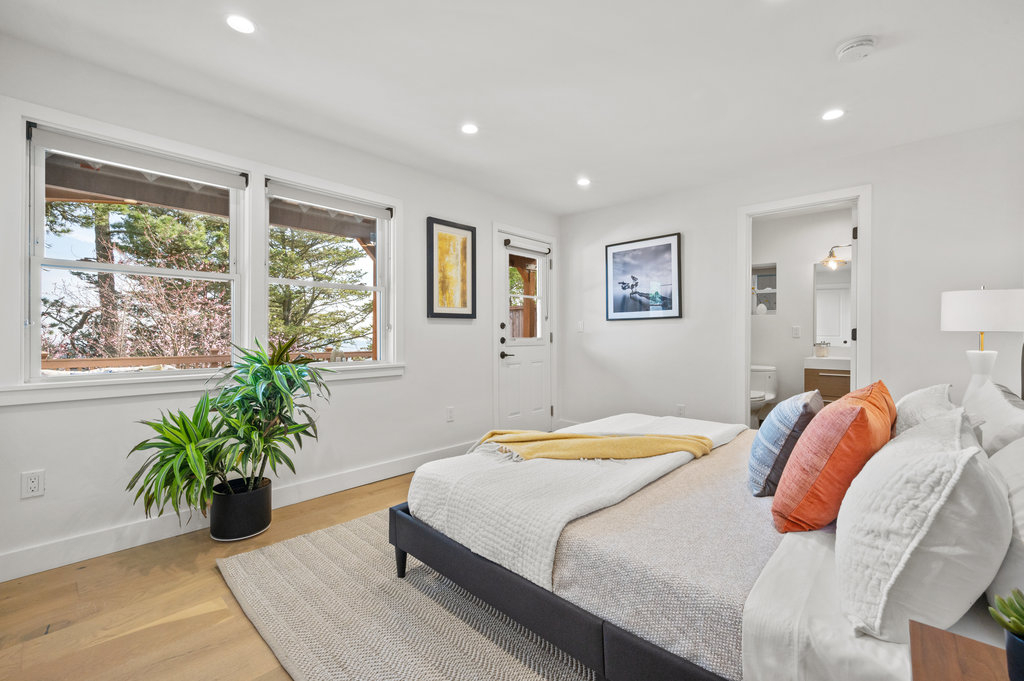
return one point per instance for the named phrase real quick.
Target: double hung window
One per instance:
(327, 279)
(132, 264)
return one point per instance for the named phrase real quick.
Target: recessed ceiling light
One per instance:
(241, 24)
(583, 181)
(470, 128)
(832, 114)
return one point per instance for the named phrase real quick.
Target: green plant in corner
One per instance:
(190, 454)
(1009, 612)
(264, 403)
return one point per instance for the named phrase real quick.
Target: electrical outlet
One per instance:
(33, 484)
(579, 326)
(796, 332)
(449, 414)
(680, 410)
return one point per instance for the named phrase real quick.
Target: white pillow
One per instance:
(919, 406)
(1001, 420)
(921, 532)
(1009, 462)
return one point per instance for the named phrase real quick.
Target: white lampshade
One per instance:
(983, 310)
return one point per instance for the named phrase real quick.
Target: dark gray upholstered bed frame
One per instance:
(614, 654)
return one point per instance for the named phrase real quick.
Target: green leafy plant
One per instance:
(190, 453)
(260, 410)
(262, 404)
(1009, 612)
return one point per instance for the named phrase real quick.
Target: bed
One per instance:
(678, 580)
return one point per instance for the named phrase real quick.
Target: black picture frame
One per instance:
(458, 252)
(644, 278)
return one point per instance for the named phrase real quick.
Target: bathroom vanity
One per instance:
(829, 375)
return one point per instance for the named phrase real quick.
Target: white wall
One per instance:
(372, 429)
(794, 244)
(948, 213)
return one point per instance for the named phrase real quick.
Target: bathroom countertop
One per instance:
(838, 363)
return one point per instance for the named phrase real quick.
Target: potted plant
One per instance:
(1009, 613)
(257, 413)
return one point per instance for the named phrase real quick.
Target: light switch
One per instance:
(796, 332)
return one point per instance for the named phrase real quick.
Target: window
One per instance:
(327, 280)
(136, 266)
(132, 260)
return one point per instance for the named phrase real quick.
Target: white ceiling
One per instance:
(643, 96)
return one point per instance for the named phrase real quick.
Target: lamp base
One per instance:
(981, 363)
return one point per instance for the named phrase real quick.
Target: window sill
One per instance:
(78, 389)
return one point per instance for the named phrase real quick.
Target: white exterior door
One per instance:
(523, 333)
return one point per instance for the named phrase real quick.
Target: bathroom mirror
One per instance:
(832, 305)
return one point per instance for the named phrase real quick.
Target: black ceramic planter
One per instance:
(240, 515)
(1014, 656)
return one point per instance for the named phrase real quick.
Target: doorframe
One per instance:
(500, 231)
(860, 197)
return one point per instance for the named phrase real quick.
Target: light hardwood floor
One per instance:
(160, 611)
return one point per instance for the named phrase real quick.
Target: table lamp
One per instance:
(982, 310)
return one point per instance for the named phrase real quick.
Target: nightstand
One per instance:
(937, 655)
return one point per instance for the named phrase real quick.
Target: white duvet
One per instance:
(794, 628)
(513, 511)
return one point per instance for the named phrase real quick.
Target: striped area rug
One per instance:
(330, 607)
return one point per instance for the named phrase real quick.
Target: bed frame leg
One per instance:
(400, 560)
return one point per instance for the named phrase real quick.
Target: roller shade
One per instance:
(102, 152)
(287, 192)
(525, 244)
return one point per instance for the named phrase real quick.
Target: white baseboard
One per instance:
(51, 554)
(563, 423)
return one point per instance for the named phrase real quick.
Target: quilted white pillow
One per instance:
(921, 532)
(1009, 462)
(919, 406)
(1001, 420)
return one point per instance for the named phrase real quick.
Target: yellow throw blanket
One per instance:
(536, 444)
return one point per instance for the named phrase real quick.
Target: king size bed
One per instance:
(676, 573)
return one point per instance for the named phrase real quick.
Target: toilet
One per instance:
(763, 390)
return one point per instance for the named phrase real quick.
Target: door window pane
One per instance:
(524, 299)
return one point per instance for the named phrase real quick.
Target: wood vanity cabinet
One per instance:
(832, 383)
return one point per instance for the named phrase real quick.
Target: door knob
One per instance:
(504, 354)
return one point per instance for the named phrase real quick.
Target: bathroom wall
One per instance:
(794, 244)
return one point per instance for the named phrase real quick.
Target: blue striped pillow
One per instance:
(776, 439)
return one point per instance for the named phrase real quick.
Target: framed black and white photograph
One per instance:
(644, 278)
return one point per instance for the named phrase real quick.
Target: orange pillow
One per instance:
(836, 444)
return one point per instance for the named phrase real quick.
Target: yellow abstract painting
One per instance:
(452, 270)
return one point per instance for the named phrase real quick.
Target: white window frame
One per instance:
(82, 147)
(385, 284)
(247, 225)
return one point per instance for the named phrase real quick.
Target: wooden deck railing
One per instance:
(181, 362)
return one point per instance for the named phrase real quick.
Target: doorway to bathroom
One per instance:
(806, 298)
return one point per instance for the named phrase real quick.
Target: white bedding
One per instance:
(513, 511)
(794, 629)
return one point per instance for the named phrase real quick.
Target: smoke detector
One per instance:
(856, 49)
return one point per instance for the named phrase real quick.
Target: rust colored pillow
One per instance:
(836, 444)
